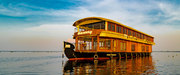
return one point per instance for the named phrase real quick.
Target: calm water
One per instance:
(51, 63)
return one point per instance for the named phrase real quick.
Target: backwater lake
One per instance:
(52, 63)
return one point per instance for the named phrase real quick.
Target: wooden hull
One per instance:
(70, 53)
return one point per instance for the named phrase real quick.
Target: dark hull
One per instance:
(70, 53)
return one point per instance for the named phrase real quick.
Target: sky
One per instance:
(43, 25)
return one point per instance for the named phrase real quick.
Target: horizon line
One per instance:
(31, 51)
(62, 51)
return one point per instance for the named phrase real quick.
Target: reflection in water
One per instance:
(51, 63)
(139, 65)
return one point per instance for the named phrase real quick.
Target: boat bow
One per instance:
(69, 50)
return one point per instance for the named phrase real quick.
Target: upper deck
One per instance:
(102, 27)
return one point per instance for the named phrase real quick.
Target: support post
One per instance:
(77, 28)
(76, 44)
(131, 55)
(126, 55)
(119, 55)
(106, 25)
(97, 42)
(92, 43)
(111, 56)
(143, 54)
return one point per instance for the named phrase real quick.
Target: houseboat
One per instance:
(97, 37)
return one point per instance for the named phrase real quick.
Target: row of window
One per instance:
(119, 29)
(133, 48)
(104, 43)
(118, 45)
(98, 25)
(115, 28)
(86, 43)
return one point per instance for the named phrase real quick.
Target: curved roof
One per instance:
(92, 19)
(88, 20)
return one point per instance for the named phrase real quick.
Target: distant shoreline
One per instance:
(165, 51)
(30, 51)
(61, 51)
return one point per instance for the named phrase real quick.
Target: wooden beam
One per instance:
(97, 42)
(76, 44)
(92, 43)
(106, 25)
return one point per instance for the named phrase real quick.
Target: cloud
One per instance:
(128, 12)
(153, 17)
(19, 10)
(38, 38)
(170, 11)
(61, 31)
(134, 14)
(51, 27)
(124, 11)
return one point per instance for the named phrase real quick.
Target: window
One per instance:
(75, 29)
(109, 26)
(97, 25)
(148, 38)
(113, 27)
(124, 31)
(137, 35)
(119, 29)
(129, 32)
(133, 47)
(134, 34)
(95, 43)
(81, 29)
(90, 26)
(85, 43)
(102, 25)
(151, 39)
(142, 48)
(123, 46)
(147, 48)
(105, 44)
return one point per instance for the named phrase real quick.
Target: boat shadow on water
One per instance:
(137, 65)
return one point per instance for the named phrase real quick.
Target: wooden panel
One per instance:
(128, 46)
